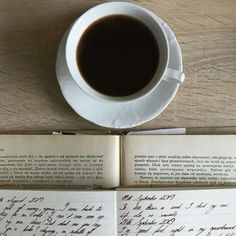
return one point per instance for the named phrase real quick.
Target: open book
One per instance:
(108, 161)
(209, 212)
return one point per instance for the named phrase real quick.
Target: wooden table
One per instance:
(30, 31)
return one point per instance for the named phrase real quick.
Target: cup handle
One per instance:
(174, 75)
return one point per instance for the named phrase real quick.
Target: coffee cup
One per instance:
(77, 30)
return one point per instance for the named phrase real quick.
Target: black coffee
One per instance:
(118, 55)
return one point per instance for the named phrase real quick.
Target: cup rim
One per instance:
(77, 76)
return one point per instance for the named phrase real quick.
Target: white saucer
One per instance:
(116, 114)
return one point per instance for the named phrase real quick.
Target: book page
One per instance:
(54, 213)
(179, 159)
(210, 212)
(67, 161)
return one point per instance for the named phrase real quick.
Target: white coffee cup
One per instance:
(112, 8)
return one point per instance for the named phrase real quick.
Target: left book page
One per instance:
(54, 213)
(67, 161)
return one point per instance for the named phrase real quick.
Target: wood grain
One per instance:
(30, 31)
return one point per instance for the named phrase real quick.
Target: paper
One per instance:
(159, 131)
(178, 159)
(209, 212)
(177, 213)
(67, 161)
(57, 213)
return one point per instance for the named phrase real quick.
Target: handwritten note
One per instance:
(177, 213)
(209, 212)
(57, 213)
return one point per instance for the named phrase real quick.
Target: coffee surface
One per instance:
(117, 55)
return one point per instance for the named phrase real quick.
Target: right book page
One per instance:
(149, 160)
(209, 212)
